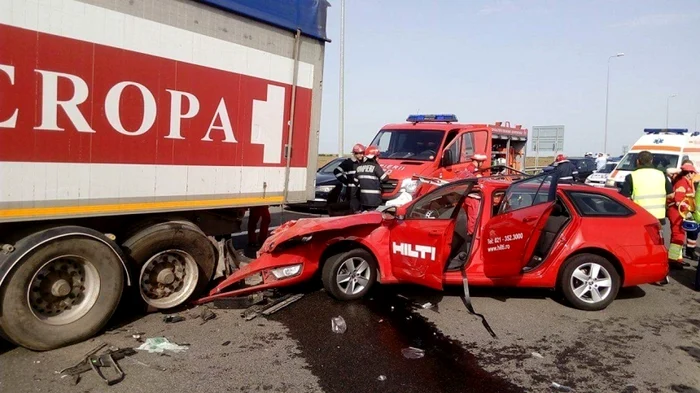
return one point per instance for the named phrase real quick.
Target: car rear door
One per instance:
(420, 241)
(509, 237)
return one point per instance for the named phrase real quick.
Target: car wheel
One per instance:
(589, 282)
(349, 275)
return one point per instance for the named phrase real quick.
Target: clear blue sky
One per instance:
(535, 62)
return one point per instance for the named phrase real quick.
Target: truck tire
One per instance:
(173, 262)
(349, 275)
(61, 293)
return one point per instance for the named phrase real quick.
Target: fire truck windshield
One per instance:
(661, 161)
(419, 145)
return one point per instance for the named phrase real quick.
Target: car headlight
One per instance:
(286, 272)
(324, 188)
(409, 185)
(610, 182)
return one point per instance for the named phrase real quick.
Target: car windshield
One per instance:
(328, 168)
(419, 145)
(609, 167)
(661, 161)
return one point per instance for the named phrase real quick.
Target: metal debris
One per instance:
(270, 308)
(561, 388)
(537, 355)
(207, 315)
(282, 304)
(98, 363)
(412, 353)
(226, 343)
(381, 378)
(173, 318)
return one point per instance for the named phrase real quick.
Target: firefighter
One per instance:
(565, 169)
(345, 173)
(474, 168)
(648, 187)
(370, 176)
(680, 204)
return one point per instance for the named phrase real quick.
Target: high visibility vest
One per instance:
(649, 190)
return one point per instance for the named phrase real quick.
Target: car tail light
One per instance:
(655, 233)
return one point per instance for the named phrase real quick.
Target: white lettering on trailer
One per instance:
(12, 121)
(267, 124)
(413, 251)
(50, 102)
(176, 111)
(222, 115)
(112, 108)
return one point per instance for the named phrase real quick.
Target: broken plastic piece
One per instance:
(381, 378)
(412, 353)
(338, 325)
(206, 315)
(226, 343)
(282, 304)
(173, 318)
(561, 388)
(537, 355)
(160, 345)
(427, 305)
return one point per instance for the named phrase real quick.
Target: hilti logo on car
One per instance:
(413, 250)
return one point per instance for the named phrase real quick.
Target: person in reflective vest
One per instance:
(680, 205)
(565, 169)
(345, 173)
(648, 187)
(692, 237)
(370, 176)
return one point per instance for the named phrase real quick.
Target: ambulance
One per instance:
(669, 146)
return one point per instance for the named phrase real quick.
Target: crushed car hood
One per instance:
(297, 229)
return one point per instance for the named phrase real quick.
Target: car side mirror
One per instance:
(447, 158)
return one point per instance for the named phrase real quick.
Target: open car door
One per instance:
(511, 235)
(420, 241)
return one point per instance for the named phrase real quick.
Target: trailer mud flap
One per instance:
(466, 299)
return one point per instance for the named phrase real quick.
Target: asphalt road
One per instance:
(647, 341)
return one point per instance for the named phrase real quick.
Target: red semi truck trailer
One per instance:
(134, 132)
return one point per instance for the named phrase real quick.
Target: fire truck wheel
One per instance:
(589, 282)
(349, 275)
(173, 261)
(64, 292)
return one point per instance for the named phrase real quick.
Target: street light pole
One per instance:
(607, 94)
(668, 102)
(341, 100)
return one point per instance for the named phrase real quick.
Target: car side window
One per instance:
(527, 193)
(439, 204)
(590, 204)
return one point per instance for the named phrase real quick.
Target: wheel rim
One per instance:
(63, 290)
(168, 278)
(591, 283)
(353, 276)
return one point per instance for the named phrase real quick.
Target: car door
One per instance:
(511, 235)
(420, 241)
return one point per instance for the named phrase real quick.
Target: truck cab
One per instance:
(441, 147)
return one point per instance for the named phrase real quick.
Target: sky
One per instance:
(530, 62)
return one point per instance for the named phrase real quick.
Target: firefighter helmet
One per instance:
(358, 149)
(560, 158)
(371, 152)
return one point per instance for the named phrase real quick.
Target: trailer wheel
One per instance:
(63, 292)
(175, 262)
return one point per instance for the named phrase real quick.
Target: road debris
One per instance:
(537, 355)
(241, 302)
(271, 307)
(338, 325)
(99, 363)
(173, 318)
(207, 315)
(561, 388)
(381, 378)
(160, 345)
(427, 305)
(226, 343)
(412, 353)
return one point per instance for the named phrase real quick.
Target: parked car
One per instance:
(598, 178)
(328, 188)
(587, 242)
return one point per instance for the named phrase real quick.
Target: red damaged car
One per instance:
(586, 242)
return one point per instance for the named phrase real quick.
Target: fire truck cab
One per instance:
(438, 146)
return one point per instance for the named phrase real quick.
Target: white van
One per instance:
(669, 147)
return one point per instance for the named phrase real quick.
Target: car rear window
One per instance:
(597, 205)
